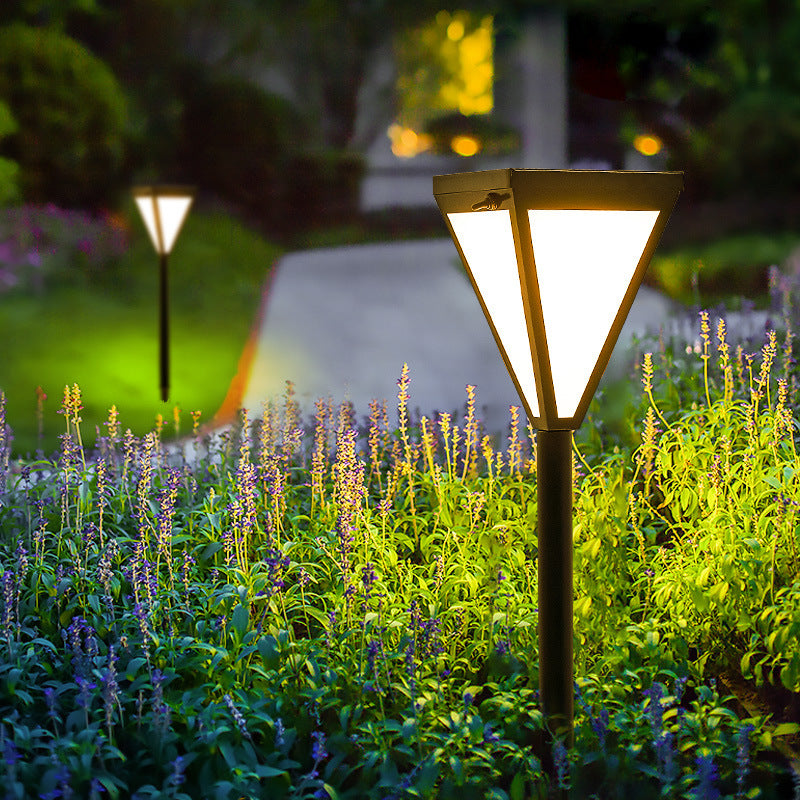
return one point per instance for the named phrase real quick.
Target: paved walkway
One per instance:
(341, 322)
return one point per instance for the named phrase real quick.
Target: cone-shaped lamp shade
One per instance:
(556, 258)
(164, 210)
(487, 239)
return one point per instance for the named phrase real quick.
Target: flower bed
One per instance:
(322, 608)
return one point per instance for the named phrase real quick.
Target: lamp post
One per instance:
(555, 258)
(163, 209)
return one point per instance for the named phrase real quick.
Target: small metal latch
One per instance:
(492, 202)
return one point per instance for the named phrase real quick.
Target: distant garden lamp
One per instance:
(555, 258)
(163, 209)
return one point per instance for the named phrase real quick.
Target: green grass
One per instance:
(104, 335)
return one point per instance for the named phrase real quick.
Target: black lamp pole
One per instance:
(554, 528)
(163, 303)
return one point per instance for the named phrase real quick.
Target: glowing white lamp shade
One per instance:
(556, 258)
(587, 258)
(164, 210)
(488, 243)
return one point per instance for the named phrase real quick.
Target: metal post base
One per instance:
(554, 494)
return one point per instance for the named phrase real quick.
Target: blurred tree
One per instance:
(717, 82)
(70, 112)
(49, 13)
(143, 43)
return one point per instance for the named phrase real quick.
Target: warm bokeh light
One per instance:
(465, 145)
(407, 143)
(455, 30)
(648, 144)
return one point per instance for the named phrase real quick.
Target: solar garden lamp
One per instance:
(555, 258)
(164, 210)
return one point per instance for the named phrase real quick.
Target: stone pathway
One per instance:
(341, 322)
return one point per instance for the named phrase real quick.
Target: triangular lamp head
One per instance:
(556, 258)
(164, 210)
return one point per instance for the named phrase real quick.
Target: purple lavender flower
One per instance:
(7, 617)
(318, 751)
(85, 687)
(368, 577)
(373, 649)
(600, 726)
(11, 754)
(50, 702)
(467, 698)
(277, 564)
(561, 762)
(489, 735)
(22, 561)
(706, 776)
(176, 777)
(656, 711)
(161, 711)
(237, 716)
(743, 757)
(279, 733)
(110, 688)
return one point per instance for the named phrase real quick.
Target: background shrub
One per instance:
(751, 146)
(9, 170)
(71, 113)
(235, 141)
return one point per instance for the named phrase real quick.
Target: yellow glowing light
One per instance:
(406, 143)
(465, 145)
(648, 144)
(455, 30)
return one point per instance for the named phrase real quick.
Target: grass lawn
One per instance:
(103, 335)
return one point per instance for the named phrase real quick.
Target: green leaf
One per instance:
(786, 729)
(517, 789)
(240, 620)
(133, 667)
(268, 650)
(265, 771)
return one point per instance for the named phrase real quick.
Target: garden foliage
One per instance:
(335, 608)
(71, 116)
